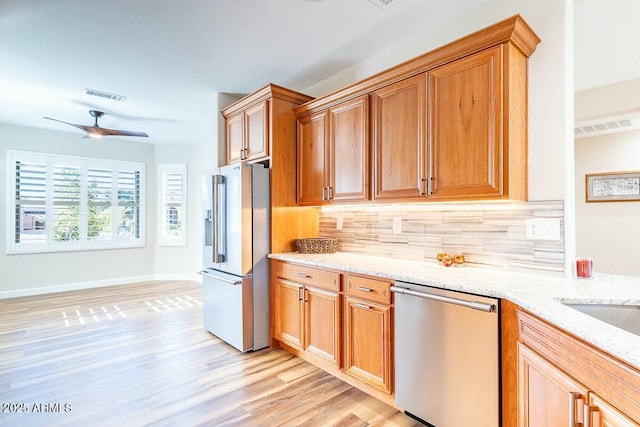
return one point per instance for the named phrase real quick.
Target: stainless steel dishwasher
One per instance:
(447, 360)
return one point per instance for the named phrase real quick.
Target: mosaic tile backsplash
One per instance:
(489, 235)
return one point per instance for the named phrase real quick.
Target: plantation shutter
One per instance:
(30, 215)
(66, 202)
(172, 196)
(99, 203)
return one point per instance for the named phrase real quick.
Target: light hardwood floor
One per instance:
(137, 354)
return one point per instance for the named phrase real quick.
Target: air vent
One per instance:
(106, 95)
(606, 125)
(384, 3)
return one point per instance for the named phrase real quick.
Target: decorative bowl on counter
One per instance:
(317, 245)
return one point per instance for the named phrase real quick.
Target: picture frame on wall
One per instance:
(613, 187)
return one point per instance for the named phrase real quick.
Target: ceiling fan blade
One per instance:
(96, 131)
(67, 123)
(116, 132)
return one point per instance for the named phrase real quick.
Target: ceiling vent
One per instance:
(606, 125)
(106, 95)
(384, 3)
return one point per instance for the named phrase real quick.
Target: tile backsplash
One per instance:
(489, 235)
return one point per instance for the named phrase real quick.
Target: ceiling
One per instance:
(170, 58)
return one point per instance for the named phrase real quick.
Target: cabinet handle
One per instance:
(360, 288)
(423, 185)
(299, 294)
(304, 293)
(366, 307)
(430, 185)
(573, 398)
(246, 153)
(324, 189)
(588, 414)
(306, 276)
(330, 193)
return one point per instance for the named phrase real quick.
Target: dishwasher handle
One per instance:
(489, 308)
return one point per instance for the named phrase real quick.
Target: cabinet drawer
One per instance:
(309, 276)
(375, 290)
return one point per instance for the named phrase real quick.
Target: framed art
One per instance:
(613, 187)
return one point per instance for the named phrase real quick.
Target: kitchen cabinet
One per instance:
(399, 139)
(448, 125)
(368, 337)
(599, 413)
(547, 396)
(340, 322)
(307, 311)
(247, 134)
(465, 117)
(261, 127)
(333, 154)
(561, 378)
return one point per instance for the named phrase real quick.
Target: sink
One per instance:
(625, 317)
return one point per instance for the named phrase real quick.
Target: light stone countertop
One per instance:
(541, 294)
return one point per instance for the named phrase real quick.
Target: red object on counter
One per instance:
(584, 267)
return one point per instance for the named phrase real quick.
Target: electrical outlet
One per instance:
(543, 229)
(397, 225)
(339, 222)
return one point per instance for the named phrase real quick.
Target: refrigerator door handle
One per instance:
(222, 279)
(217, 226)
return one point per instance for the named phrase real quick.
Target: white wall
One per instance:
(551, 154)
(28, 273)
(608, 232)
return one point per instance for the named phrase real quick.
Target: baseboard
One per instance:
(93, 284)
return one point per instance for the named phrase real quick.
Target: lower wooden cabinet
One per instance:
(307, 311)
(346, 330)
(565, 381)
(289, 323)
(368, 342)
(546, 396)
(323, 334)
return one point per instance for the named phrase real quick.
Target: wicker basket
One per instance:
(317, 245)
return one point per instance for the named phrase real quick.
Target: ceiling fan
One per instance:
(96, 131)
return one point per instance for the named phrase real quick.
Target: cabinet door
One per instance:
(235, 138)
(349, 150)
(465, 137)
(322, 324)
(604, 415)
(368, 343)
(289, 313)
(257, 131)
(399, 140)
(546, 395)
(312, 159)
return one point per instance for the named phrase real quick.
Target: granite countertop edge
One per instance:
(540, 293)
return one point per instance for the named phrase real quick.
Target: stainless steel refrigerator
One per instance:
(235, 276)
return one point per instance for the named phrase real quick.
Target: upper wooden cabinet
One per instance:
(399, 139)
(465, 117)
(333, 154)
(448, 125)
(249, 122)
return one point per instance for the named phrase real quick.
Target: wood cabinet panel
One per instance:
(368, 343)
(322, 324)
(398, 114)
(464, 113)
(315, 277)
(257, 131)
(312, 158)
(235, 138)
(289, 306)
(349, 150)
(613, 380)
(604, 415)
(369, 289)
(545, 393)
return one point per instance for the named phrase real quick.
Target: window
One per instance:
(173, 197)
(64, 203)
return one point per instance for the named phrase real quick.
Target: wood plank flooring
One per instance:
(137, 355)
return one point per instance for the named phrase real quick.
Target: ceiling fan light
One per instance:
(94, 135)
